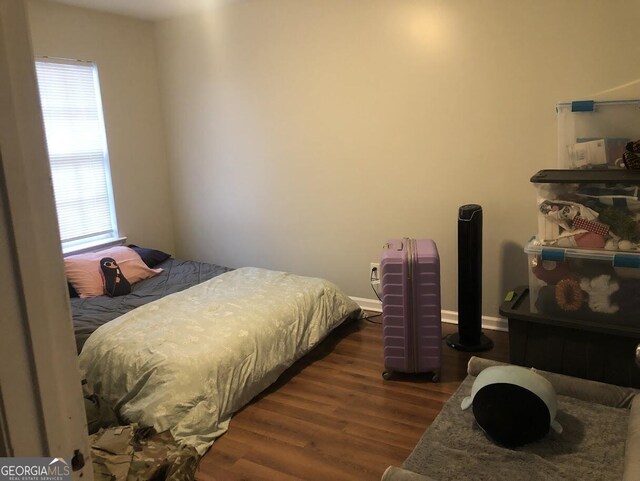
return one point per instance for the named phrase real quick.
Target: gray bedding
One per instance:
(177, 275)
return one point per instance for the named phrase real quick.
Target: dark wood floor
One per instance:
(331, 416)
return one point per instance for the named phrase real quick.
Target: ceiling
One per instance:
(147, 9)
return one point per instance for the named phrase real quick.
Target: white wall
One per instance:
(124, 50)
(301, 135)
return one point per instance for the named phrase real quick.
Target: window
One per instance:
(76, 140)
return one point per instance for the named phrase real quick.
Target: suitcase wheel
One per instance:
(386, 375)
(436, 376)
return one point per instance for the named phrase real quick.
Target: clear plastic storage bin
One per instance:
(589, 209)
(594, 134)
(587, 285)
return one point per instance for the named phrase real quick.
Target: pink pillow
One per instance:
(84, 274)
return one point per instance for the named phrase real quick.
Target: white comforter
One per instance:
(188, 361)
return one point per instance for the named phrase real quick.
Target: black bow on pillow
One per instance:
(115, 283)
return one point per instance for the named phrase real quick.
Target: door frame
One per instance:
(41, 403)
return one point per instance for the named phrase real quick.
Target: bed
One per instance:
(189, 347)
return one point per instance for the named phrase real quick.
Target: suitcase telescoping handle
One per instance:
(389, 244)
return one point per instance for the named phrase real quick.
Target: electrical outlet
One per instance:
(374, 272)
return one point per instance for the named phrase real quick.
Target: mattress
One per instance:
(189, 360)
(177, 275)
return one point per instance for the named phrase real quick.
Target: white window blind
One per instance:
(76, 140)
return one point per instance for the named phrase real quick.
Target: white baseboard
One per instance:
(450, 317)
(368, 304)
(488, 322)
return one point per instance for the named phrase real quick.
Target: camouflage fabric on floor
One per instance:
(132, 453)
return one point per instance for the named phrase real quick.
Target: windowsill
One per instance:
(93, 246)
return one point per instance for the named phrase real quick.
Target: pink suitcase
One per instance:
(411, 313)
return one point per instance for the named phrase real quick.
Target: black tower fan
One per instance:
(470, 337)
